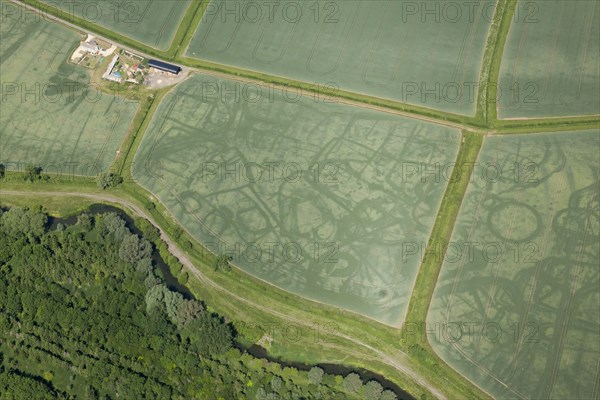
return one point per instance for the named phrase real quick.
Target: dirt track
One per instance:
(397, 361)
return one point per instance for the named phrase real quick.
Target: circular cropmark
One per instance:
(514, 222)
(383, 296)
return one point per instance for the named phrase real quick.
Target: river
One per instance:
(171, 282)
(254, 350)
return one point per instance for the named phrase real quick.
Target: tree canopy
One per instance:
(84, 313)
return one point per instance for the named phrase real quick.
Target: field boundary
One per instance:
(173, 54)
(475, 226)
(199, 269)
(48, 9)
(505, 10)
(439, 379)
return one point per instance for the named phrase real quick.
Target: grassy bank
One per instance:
(488, 85)
(486, 110)
(301, 330)
(492, 55)
(413, 331)
(442, 229)
(56, 206)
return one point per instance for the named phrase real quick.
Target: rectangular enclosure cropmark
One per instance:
(517, 307)
(52, 116)
(551, 62)
(152, 22)
(423, 53)
(320, 199)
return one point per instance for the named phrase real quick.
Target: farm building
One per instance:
(90, 47)
(109, 75)
(163, 66)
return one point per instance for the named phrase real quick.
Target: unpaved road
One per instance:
(397, 361)
(186, 71)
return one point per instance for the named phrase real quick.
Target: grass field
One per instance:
(381, 48)
(551, 62)
(51, 116)
(152, 22)
(517, 310)
(56, 207)
(315, 198)
(327, 335)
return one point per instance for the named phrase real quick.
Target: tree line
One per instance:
(85, 313)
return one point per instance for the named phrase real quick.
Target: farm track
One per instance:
(397, 362)
(321, 96)
(550, 123)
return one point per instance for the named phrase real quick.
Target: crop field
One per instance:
(51, 116)
(427, 55)
(152, 22)
(551, 61)
(517, 306)
(316, 198)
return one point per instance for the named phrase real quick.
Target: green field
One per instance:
(524, 294)
(315, 198)
(51, 116)
(152, 22)
(551, 62)
(378, 48)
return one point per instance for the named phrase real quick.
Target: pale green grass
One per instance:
(516, 307)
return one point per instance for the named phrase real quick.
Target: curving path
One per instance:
(397, 361)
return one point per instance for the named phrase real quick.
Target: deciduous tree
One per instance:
(134, 249)
(315, 375)
(373, 390)
(352, 383)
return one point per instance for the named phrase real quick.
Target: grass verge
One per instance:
(56, 206)
(123, 163)
(491, 60)
(191, 27)
(481, 120)
(414, 331)
(301, 330)
(442, 228)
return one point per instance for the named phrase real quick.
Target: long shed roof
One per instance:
(174, 69)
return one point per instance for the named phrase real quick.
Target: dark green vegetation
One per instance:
(85, 313)
(108, 180)
(516, 307)
(328, 335)
(258, 301)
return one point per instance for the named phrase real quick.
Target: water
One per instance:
(332, 369)
(254, 350)
(171, 282)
